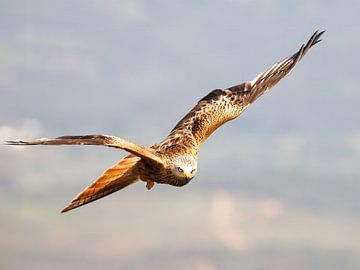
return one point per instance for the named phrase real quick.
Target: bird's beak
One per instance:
(188, 176)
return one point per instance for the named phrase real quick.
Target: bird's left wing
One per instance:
(105, 140)
(220, 106)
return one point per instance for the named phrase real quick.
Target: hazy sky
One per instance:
(280, 181)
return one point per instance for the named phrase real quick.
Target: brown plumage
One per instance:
(174, 160)
(122, 174)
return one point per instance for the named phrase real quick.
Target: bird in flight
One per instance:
(174, 160)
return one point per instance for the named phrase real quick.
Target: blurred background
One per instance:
(278, 188)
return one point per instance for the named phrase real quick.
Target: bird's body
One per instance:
(174, 160)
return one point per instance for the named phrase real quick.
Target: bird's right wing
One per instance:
(105, 140)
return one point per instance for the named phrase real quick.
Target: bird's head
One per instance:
(184, 167)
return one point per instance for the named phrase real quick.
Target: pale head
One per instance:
(184, 167)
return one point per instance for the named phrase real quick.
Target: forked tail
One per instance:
(119, 176)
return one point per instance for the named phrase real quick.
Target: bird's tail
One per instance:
(119, 176)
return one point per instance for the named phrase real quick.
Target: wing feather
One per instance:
(220, 106)
(105, 140)
(274, 74)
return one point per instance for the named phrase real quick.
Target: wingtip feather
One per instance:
(316, 37)
(66, 209)
(15, 143)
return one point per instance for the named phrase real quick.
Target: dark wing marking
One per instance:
(213, 95)
(220, 106)
(216, 108)
(105, 140)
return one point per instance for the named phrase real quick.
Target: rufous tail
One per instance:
(119, 176)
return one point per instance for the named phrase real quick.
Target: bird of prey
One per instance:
(174, 160)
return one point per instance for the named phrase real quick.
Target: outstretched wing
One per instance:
(105, 140)
(267, 79)
(220, 106)
(113, 179)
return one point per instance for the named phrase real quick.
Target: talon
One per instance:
(149, 184)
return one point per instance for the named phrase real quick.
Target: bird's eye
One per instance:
(192, 172)
(180, 170)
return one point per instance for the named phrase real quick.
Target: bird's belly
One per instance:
(179, 182)
(173, 180)
(164, 178)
